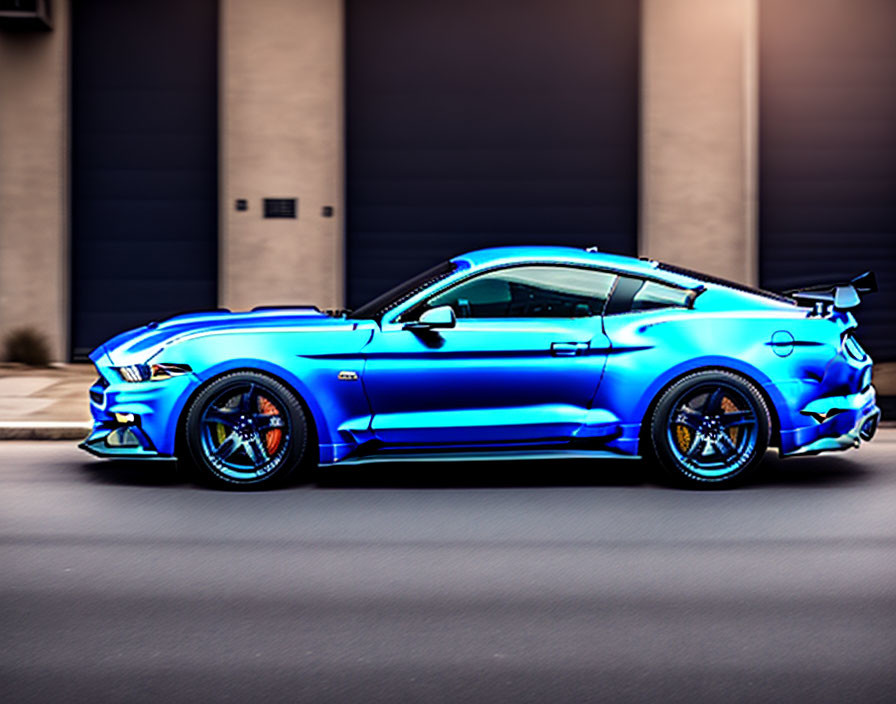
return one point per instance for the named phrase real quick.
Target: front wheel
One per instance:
(246, 430)
(710, 429)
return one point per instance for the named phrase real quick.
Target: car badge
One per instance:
(348, 376)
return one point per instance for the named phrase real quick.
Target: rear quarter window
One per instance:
(656, 295)
(634, 294)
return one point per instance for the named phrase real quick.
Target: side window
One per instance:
(528, 292)
(633, 294)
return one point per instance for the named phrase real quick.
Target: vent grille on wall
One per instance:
(280, 207)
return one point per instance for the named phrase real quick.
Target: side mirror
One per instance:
(441, 317)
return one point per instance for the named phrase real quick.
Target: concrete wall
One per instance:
(34, 181)
(281, 118)
(698, 131)
(281, 136)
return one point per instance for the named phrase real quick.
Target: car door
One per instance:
(520, 365)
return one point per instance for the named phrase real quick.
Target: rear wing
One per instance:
(840, 296)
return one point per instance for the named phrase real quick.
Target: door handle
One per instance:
(568, 349)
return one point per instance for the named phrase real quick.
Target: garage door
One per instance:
(144, 163)
(828, 150)
(473, 124)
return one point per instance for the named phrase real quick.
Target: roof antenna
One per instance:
(592, 248)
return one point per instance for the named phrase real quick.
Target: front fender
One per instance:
(291, 379)
(308, 362)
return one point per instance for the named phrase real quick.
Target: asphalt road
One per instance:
(510, 582)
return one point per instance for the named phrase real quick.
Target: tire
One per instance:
(246, 431)
(710, 429)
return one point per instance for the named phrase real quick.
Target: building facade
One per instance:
(163, 156)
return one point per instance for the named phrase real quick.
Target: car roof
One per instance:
(620, 263)
(496, 256)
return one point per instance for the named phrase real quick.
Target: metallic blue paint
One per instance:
(517, 387)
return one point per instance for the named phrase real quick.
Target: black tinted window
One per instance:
(529, 292)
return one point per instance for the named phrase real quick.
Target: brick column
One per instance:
(281, 136)
(34, 268)
(698, 135)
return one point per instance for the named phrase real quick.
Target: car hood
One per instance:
(140, 344)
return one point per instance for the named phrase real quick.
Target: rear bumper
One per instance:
(837, 423)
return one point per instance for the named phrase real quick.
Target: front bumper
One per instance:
(838, 423)
(127, 441)
(154, 406)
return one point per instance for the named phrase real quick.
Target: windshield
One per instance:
(382, 304)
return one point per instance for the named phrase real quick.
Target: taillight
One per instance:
(852, 347)
(866, 380)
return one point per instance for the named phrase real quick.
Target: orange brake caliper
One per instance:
(729, 407)
(273, 435)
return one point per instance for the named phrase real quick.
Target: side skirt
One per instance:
(418, 455)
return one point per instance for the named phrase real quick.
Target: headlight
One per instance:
(135, 372)
(152, 372)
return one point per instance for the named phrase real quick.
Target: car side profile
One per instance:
(514, 352)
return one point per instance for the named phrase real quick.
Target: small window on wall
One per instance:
(528, 292)
(633, 294)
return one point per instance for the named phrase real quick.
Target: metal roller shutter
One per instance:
(827, 176)
(144, 163)
(473, 124)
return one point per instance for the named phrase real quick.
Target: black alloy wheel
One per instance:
(246, 430)
(710, 429)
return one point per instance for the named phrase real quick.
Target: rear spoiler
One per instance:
(842, 296)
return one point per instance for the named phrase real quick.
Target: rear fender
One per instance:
(772, 395)
(766, 387)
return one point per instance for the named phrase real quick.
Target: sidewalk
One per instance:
(48, 403)
(51, 403)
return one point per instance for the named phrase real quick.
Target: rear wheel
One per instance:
(246, 430)
(710, 429)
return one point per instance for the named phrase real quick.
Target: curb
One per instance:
(44, 430)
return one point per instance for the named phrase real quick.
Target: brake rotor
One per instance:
(683, 435)
(220, 429)
(272, 437)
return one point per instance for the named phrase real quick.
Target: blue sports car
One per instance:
(517, 352)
